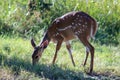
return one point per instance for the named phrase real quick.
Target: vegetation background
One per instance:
(22, 19)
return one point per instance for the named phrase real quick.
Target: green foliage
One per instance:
(16, 17)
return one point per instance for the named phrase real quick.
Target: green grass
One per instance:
(15, 62)
(15, 52)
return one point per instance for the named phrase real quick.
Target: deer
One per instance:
(72, 25)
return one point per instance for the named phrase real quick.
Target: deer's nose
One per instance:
(33, 62)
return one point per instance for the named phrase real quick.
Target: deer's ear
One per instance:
(33, 43)
(45, 43)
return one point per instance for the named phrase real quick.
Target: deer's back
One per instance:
(73, 24)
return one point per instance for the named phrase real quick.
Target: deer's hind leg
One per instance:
(87, 54)
(90, 49)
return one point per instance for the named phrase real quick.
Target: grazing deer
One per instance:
(70, 26)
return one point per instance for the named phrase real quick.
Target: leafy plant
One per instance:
(15, 16)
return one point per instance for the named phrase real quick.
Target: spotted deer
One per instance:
(65, 28)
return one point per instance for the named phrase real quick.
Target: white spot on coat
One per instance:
(73, 23)
(85, 23)
(79, 24)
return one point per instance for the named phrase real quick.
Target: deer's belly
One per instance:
(68, 35)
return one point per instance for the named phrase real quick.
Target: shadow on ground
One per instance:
(52, 72)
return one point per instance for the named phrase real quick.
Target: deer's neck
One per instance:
(45, 41)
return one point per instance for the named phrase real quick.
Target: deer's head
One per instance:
(38, 50)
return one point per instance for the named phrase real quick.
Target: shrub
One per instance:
(15, 17)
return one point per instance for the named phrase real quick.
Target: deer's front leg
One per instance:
(58, 46)
(70, 52)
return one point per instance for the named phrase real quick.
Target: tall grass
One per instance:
(15, 19)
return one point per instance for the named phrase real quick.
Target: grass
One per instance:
(14, 17)
(15, 52)
(15, 62)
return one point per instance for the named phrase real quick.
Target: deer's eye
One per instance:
(36, 57)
